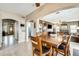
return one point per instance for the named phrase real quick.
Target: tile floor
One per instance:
(25, 49)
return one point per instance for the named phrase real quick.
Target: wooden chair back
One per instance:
(44, 35)
(61, 33)
(36, 43)
(67, 46)
(68, 37)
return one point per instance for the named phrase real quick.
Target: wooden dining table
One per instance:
(51, 40)
(54, 42)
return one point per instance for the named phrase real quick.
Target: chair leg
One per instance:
(56, 52)
(65, 53)
(69, 52)
(50, 53)
(40, 54)
(32, 51)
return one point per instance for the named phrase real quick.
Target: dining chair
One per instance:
(38, 48)
(61, 33)
(64, 48)
(44, 35)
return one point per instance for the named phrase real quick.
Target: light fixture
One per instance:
(60, 22)
(37, 4)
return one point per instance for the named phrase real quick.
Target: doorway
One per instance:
(9, 32)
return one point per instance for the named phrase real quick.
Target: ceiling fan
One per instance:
(37, 4)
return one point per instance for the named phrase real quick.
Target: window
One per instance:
(57, 29)
(73, 28)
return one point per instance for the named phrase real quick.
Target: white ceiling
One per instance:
(22, 9)
(63, 15)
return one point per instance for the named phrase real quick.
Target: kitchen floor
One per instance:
(8, 40)
(25, 49)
